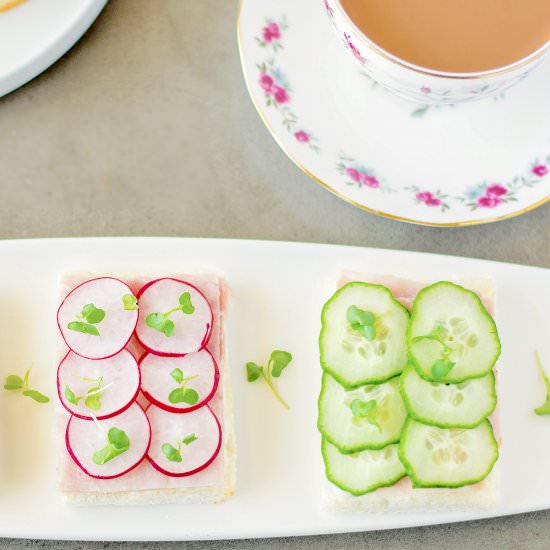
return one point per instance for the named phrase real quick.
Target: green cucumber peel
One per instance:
(438, 333)
(333, 370)
(371, 441)
(161, 321)
(408, 400)
(15, 383)
(420, 484)
(545, 407)
(173, 454)
(87, 319)
(277, 363)
(117, 443)
(386, 482)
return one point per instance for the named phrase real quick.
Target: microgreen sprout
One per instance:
(93, 396)
(117, 443)
(162, 323)
(278, 361)
(545, 407)
(362, 321)
(173, 454)
(87, 319)
(442, 367)
(15, 382)
(183, 394)
(130, 302)
(366, 410)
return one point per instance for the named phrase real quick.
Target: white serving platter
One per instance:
(277, 290)
(35, 34)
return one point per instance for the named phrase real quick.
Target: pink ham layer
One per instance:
(145, 477)
(405, 291)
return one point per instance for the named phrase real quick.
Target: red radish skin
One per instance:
(152, 366)
(183, 426)
(90, 346)
(157, 343)
(124, 362)
(119, 422)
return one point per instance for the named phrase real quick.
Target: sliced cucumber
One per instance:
(357, 356)
(369, 417)
(451, 336)
(438, 457)
(363, 472)
(462, 405)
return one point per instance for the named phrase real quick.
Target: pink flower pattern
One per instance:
(357, 175)
(275, 86)
(492, 195)
(353, 48)
(271, 32)
(431, 199)
(540, 170)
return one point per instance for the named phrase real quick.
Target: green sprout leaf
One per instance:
(37, 396)
(545, 407)
(160, 322)
(70, 395)
(177, 375)
(85, 328)
(362, 409)
(171, 453)
(359, 317)
(117, 443)
(130, 302)
(368, 331)
(184, 395)
(93, 314)
(442, 368)
(253, 371)
(279, 361)
(118, 439)
(93, 402)
(189, 439)
(13, 382)
(185, 303)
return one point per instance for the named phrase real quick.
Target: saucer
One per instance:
(449, 165)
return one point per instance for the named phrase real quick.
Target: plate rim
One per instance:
(44, 58)
(328, 187)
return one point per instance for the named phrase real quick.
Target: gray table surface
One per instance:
(146, 128)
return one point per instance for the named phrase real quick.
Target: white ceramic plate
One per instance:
(277, 290)
(458, 165)
(37, 33)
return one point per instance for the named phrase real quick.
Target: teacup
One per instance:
(421, 84)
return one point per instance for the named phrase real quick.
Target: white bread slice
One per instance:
(402, 496)
(192, 495)
(6, 5)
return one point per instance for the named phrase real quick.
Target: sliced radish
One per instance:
(179, 384)
(183, 444)
(97, 318)
(88, 443)
(174, 318)
(100, 387)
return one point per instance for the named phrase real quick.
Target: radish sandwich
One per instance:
(145, 413)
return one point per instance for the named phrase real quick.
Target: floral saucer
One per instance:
(449, 165)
